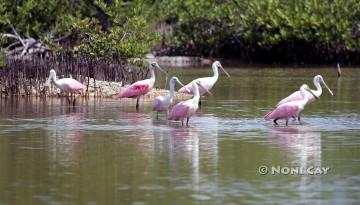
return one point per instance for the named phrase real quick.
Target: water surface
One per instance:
(103, 152)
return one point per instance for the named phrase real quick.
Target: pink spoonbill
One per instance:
(206, 82)
(289, 109)
(140, 88)
(187, 108)
(296, 96)
(67, 85)
(163, 103)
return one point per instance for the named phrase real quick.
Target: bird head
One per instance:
(319, 79)
(154, 65)
(218, 65)
(51, 76)
(304, 88)
(175, 80)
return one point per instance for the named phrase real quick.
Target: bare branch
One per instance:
(29, 45)
(62, 37)
(15, 51)
(124, 36)
(13, 44)
(16, 33)
(10, 36)
(25, 49)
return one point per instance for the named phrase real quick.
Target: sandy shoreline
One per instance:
(101, 89)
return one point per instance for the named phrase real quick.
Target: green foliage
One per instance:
(125, 29)
(32, 18)
(100, 28)
(265, 23)
(2, 51)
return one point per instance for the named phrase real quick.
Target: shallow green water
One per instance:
(102, 152)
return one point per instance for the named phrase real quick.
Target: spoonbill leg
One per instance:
(275, 121)
(137, 103)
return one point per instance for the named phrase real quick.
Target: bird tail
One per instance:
(156, 104)
(281, 102)
(268, 116)
(185, 89)
(119, 95)
(122, 94)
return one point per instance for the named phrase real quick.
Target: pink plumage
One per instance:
(290, 109)
(204, 84)
(315, 94)
(134, 91)
(140, 88)
(186, 89)
(295, 96)
(70, 85)
(179, 112)
(284, 111)
(156, 104)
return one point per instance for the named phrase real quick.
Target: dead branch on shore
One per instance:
(23, 46)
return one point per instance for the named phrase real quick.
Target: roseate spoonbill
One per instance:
(295, 96)
(140, 88)
(289, 109)
(187, 108)
(163, 103)
(67, 85)
(206, 82)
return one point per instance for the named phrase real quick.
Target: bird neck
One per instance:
(215, 71)
(196, 92)
(305, 97)
(318, 91)
(152, 74)
(54, 79)
(172, 89)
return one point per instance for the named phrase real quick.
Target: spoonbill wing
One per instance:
(179, 111)
(134, 90)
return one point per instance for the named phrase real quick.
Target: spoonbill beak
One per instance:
(208, 91)
(316, 97)
(222, 68)
(327, 87)
(177, 80)
(162, 70)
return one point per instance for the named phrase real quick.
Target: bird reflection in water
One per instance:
(64, 137)
(184, 148)
(136, 130)
(302, 145)
(192, 154)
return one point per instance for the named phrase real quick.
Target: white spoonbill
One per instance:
(206, 82)
(67, 85)
(187, 108)
(293, 108)
(295, 96)
(163, 103)
(140, 88)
